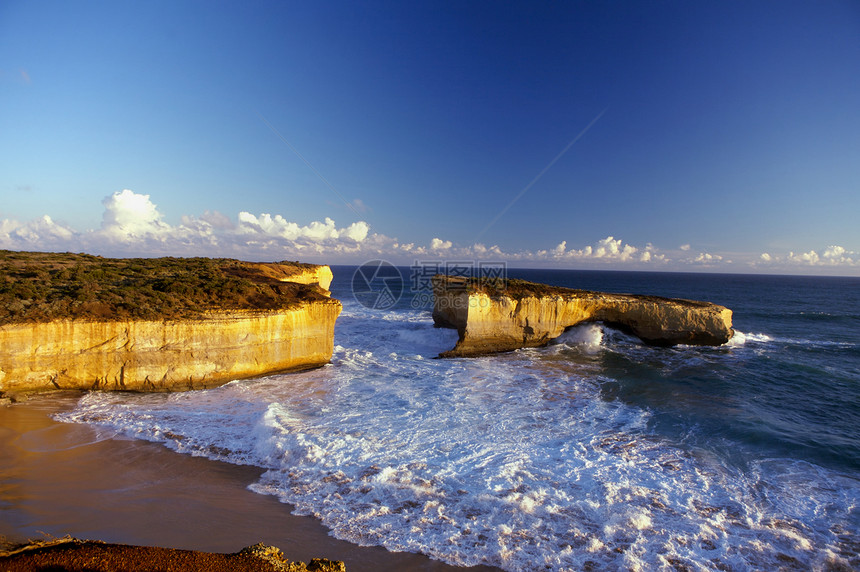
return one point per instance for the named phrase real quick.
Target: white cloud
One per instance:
(810, 257)
(319, 231)
(839, 255)
(267, 225)
(39, 234)
(129, 216)
(650, 254)
(357, 231)
(834, 252)
(834, 256)
(132, 225)
(707, 258)
(267, 228)
(613, 248)
(439, 244)
(609, 249)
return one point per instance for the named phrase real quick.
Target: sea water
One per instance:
(595, 452)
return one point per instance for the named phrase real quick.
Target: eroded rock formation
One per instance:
(502, 316)
(319, 275)
(271, 318)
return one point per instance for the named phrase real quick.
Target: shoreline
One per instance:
(59, 479)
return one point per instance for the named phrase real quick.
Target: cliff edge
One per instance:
(75, 321)
(502, 315)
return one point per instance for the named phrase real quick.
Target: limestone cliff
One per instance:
(515, 314)
(319, 275)
(158, 324)
(298, 273)
(165, 356)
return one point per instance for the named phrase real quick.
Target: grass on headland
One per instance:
(518, 289)
(510, 287)
(38, 286)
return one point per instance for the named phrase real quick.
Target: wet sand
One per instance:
(58, 479)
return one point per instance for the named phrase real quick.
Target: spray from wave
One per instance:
(587, 337)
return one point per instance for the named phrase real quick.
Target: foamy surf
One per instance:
(739, 339)
(587, 337)
(517, 460)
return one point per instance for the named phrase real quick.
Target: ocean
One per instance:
(593, 453)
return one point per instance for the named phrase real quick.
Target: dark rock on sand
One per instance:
(73, 555)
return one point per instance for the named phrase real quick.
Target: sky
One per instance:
(667, 135)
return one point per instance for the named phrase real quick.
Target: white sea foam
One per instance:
(740, 338)
(514, 460)
(587, 337)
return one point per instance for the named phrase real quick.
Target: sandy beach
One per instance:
(58, 479)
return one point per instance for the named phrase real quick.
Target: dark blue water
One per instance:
(796, 392)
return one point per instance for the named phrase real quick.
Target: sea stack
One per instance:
(73, 321)
(502, 315)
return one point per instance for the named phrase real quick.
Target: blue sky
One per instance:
(715, 136)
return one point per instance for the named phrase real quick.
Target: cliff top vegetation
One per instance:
(510, 287)
(517, 289)
(40, 286)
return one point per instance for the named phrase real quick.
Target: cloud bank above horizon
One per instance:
(132, 225)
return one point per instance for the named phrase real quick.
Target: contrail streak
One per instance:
(318, 174)
(539, 175)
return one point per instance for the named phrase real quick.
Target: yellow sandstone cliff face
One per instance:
(173, 354)
(502, 322)
(319, 275)
(165, 356)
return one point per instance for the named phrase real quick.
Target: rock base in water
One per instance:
(502, 315)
